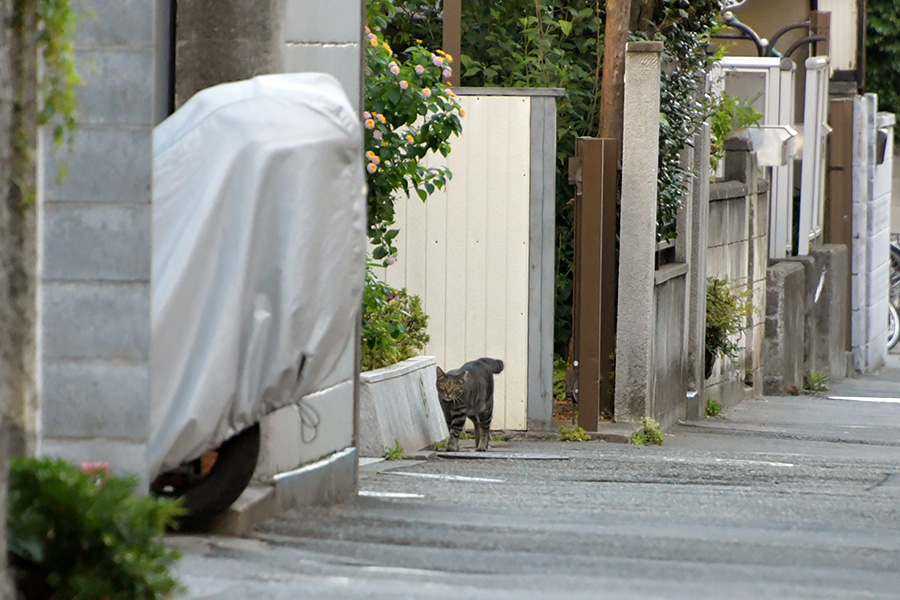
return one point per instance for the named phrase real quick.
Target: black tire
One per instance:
(210, 495)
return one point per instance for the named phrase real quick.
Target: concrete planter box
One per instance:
(399, 403)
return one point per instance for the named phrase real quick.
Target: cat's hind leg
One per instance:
(482, 430)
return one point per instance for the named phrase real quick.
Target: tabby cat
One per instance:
(469, 392)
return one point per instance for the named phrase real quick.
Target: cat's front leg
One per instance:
(455, 426)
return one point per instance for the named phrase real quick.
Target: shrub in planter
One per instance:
(83, 533)
(393, 324)
(727, 309)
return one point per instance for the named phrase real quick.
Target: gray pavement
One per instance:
(795, 497)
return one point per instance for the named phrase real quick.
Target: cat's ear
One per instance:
(440, 372)
(465, 377)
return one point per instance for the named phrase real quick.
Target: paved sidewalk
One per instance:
(786, 497)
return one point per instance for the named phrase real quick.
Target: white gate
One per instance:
(768, 83)
(815, 134)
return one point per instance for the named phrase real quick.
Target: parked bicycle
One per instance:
(894, 298)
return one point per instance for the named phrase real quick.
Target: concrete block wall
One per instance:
(827, 315)
(785, 340)
(326, 35)
(806, 319)
(95, 243)
(737, 248)
(669, 369)
(871, 235)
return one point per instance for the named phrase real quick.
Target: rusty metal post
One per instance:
(452, 36)
(839, 189)
(820, 24)
(595, 276)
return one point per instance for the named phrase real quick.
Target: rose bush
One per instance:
(409, 112)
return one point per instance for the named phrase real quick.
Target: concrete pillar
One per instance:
(95, 245)
(871, 237)
(219, 41)
(699, 211)
(829, 311)
(640, 147)
(785, 331)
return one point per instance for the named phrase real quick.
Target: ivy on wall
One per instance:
(684, 27)
(51, 25)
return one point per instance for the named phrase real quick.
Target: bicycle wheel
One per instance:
(893, 326)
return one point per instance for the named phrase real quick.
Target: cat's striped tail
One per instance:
(495, 364)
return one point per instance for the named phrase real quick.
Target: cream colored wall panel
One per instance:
(484, 153)
(465, 252)
(517, 243)
(843, 32)
(435, 260)
(415, 266)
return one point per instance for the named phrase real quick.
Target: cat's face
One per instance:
(450, 388)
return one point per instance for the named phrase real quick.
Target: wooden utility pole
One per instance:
(612, 90)
(452, 36)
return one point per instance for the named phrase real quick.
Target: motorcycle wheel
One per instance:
(210, 484)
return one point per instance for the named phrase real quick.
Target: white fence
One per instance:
(815, 134)
(768, 84)
(480, 252)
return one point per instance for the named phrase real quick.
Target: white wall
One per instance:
(465, 251)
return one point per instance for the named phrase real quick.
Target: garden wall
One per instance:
(737, 248)
(806, 319)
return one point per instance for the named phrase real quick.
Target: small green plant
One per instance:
(440, 445)
(466, 435)
(652, 434)
(713, 408)
(576, 433)
(500, 437)
(393, 324)
(560, 366)
(728, 306)
(83, 533)
(815, 382)
(395, 453)
(729, 114)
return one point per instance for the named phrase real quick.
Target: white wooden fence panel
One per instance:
(842, 34)
(465, 250)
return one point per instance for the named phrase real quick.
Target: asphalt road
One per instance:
(783, 498)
